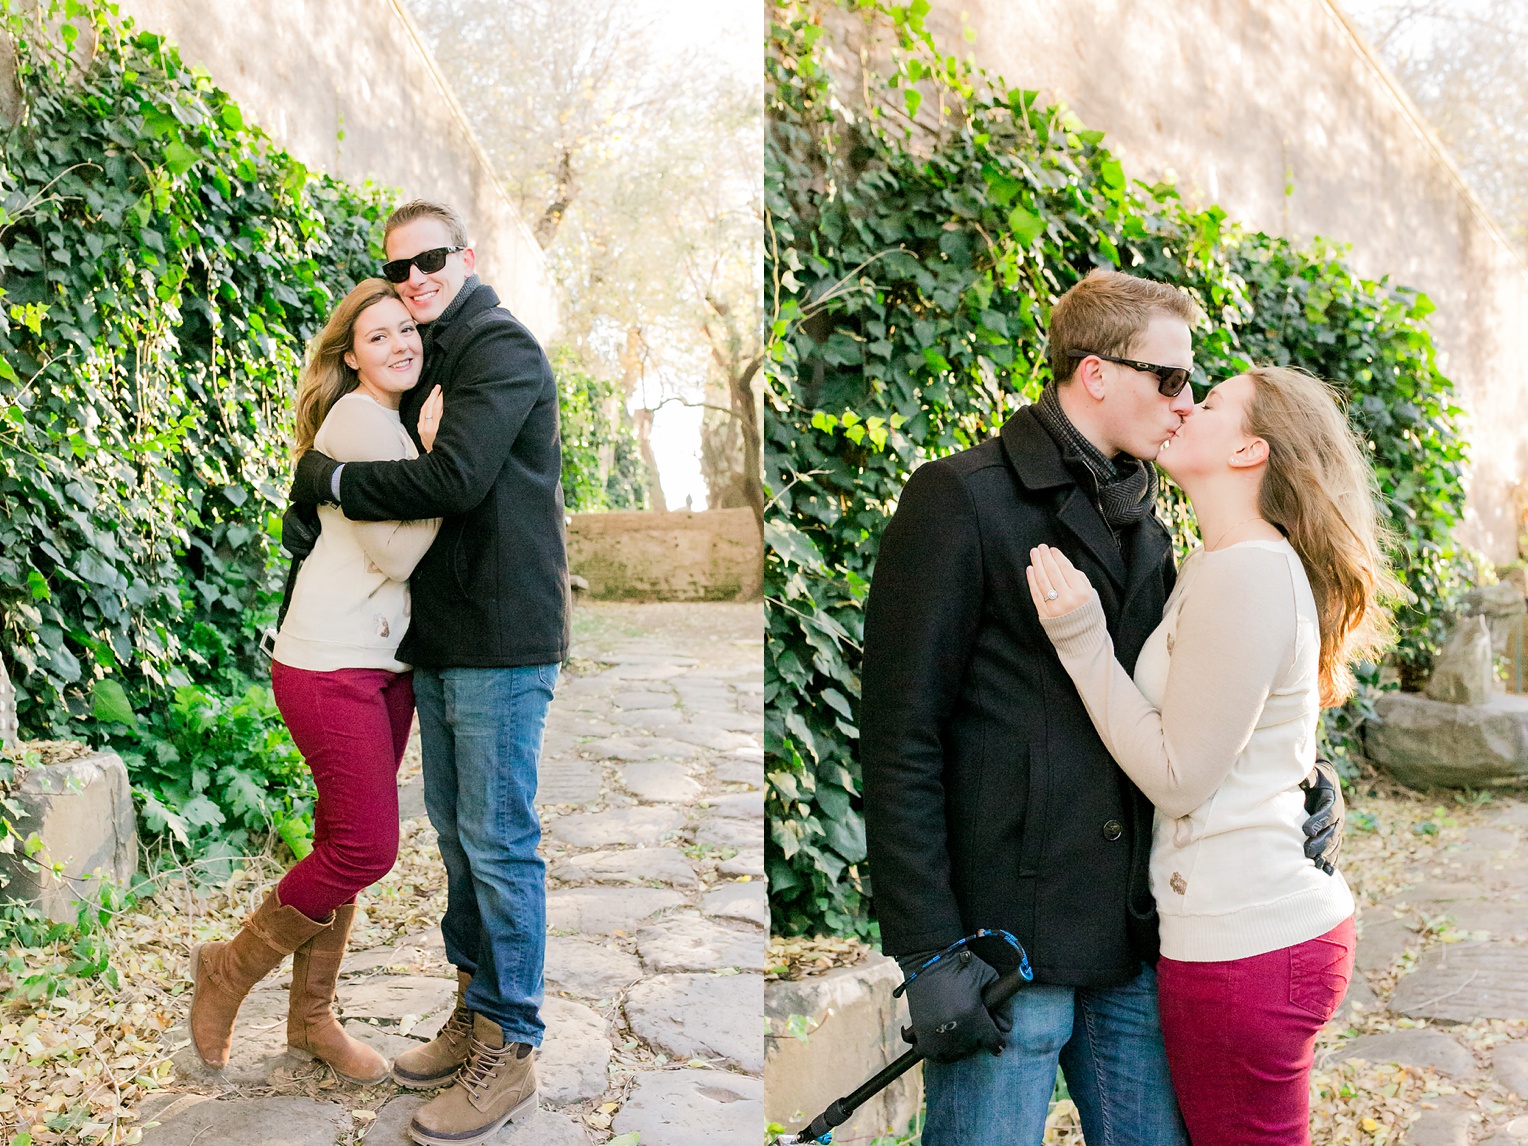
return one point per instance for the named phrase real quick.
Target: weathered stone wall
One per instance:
(1277, 111)
(347, 86)
(713, 555)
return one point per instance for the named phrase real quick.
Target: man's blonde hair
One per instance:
(1104, 314)
(425, 209)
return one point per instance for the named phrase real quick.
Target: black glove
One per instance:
(1325, 809)
(950, 1021)
(313, 484)
(300, 528)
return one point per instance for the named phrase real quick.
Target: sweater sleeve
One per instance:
(1235, 638)
(362, 432)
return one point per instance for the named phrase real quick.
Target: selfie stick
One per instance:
(820, 1129)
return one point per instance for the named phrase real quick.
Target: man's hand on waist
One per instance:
(314, 482)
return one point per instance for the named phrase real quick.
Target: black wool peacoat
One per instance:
(492, 592)
(990, 801)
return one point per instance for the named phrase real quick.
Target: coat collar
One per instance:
(1036, 460)
(483, 297)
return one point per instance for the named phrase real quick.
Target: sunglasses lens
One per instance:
(431, 261)
(397, 270)
(1172, 382)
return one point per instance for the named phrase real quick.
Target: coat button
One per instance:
(1113, 830)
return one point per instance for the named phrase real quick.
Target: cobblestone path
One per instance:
(1439, 1000)
(651, 794)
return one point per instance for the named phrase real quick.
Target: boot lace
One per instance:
(483, 1065)
(459, 1025)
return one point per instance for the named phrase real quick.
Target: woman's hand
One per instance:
(1056, 585)
(429, 418)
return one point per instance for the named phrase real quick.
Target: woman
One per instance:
(347, 700)
(1219, 726)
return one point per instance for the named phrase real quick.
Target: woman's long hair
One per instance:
(1320, 490)
(326, 377)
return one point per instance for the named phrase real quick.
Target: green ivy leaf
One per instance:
(109, 703)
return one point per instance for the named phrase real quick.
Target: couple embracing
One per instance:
(1072, 745)
(427, 436)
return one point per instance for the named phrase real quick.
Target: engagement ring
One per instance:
(1052, 595)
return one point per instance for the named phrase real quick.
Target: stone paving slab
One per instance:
(637, 700)
(259, 1044)
(721, 831)
(1510, 1065)
(689, 943)
(701, 1016)
(735, 771)
(588, 969)
(1417, 1048)
(567, 781)
(632, 826)
(693, 1108)
(574, 1058)
(280, 1121)
(603, 910)
(384, 1042)
(746, 901)
(660, 782)
(1462, 982)
(649, 718)
(628, 866)
(389, 996)
(739, 806)
(640, 748)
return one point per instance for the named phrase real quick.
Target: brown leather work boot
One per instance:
(311, 1025)
(497, 1085)
(223, 973)
(437, 1061)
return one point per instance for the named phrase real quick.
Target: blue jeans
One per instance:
(1107, 1041)
(480, 730)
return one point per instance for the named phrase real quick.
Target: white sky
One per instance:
(732, 33)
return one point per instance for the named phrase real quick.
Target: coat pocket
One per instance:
(1036, 816)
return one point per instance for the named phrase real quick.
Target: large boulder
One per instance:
(1464, 671)
(1427, 743)
(83, 812)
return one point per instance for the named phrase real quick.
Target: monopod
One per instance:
(820, 1129)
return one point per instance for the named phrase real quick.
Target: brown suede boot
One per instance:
(497, 1085)
(223, 973)
(437, 1061)
(311, 1025)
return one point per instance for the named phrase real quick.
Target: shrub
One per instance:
(912, 262)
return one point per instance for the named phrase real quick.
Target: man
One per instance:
(990, 802)
(488, 632)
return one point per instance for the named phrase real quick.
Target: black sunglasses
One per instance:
(428, 263)
(1170, 379)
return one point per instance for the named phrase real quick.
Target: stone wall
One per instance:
(712, 555)
(1277, 111)
(347, 86)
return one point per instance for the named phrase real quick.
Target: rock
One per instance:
(1418, 1048)
(1464, 671)
(567, 781)
(543, 1128)
(1425, 743)
(1449, 1125)
(1510, 1063)
(706, 737)
(588, 969)
(635, 700)
(744, 863)
(688, 943)
(388, 997)
(855, 1027)
(386, 1044)
(1465, 982)
(720, 831)
(629, 866)
(83, 811)
(259, 1044)
(735, 771)
(1499, 606)
(739, 805)
(693, 1108)
(602, 910)
(619, 826)
(575, 1054)
(1381, 937)
(660, 782)
(747, 901)
(253, 1122)
(701, 1016)
(411, 800)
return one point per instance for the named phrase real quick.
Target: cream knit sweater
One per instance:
(350, 606)
(1217, 729)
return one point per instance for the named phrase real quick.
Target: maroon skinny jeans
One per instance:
(1241, 1035)
(351, 726)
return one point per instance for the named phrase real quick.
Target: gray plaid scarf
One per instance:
(1127, 487)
